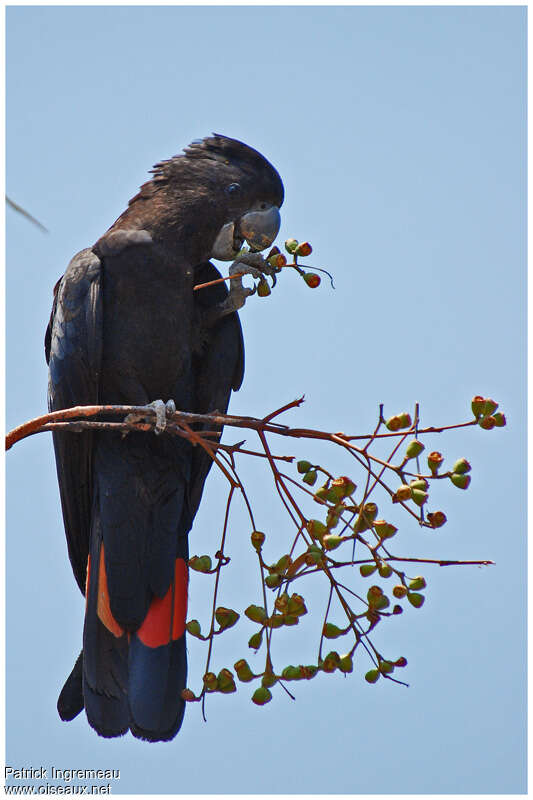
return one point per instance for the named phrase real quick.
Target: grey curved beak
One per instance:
(260, 228)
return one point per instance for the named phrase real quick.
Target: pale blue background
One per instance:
(400, 136)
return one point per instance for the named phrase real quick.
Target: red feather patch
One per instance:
(166, 616)
(103, 608)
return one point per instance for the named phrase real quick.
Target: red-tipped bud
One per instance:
(499, 419)
(461, 481)
(436, 519)
(311, 279)
(393, 423)
(187, 695)
(304, 249)
(477, 405)
(343, 487)
(435, 460)
(487, 423)
(277, 261)
(401, 662)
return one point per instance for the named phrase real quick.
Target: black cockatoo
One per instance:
(127, 328)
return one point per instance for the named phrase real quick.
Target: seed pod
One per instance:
(226, 683)
(405, 420)
(304, 249)
(487, 423)
(308, 672)
(393, 423)
(331, 542)
(244, 673)
(281, 603)
(193, 627)
(283, 563)
(418, 583)
(187, 695)
(419, 483)
(343, 487)
(401, 662)
(311, 279)
(384, 529)
(402, 493)
(331, 631)
(461, 481)
(397, 610)
(277, 261)
(256, 613)
(477, 405)
(303, 467)
(226, 617)
(291, 673)
(367, 515)
(461, 466)
(367, 569)
(414, 448)
(386, 667)
(310, 477)
(261, 696)
(435, 460)
(331, 661)
(346, 663)
(489, 407)
(257, 538)
(263, 289)
(275, 621)
(372, 675)
(399, 591)
(416, 600)
(291, 245)
(499, 419)
(385, 570)
(210, 681)
(297, 605)
(322, 493)
(268, 680)
(436, 519)
(273, 581)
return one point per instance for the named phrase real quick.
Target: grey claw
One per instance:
(160, 416)
(170, 406)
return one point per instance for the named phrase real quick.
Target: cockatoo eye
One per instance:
(233, 189)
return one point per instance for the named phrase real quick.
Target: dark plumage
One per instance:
(126, 328)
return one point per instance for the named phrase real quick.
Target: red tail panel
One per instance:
(166, 616)
(103, 609)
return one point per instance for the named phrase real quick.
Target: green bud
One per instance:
(273, 581)
(372, 675)
(367, 569)
(303, 467)
(416, 600)
(310, 477)
(225, 681)
(419, 483)
(257, 539)
(489, 407)
(331, 542)
(261, 696)
(346, 663)
(255, 641)
(418, 583)
(331, 631)
(386, 667)
(256, 613)
(268, 680)
(316, 529)
(499, 419)
(418, 496)
(461, 481)
(414, 448)
(461, 466)
(193, 627)
(405, 420)
(291, 673)
(244, 673)
(200, 563)
(226, 617)
(385, 570)
(291, 245)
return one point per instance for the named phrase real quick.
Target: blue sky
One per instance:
(400, 136)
